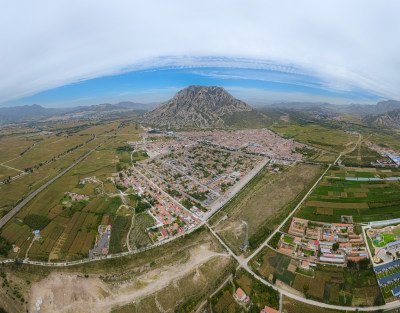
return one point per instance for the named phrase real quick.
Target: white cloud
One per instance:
(346, 44)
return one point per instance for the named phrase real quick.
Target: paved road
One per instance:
(18, 207)
(243, 262)
(289, 216)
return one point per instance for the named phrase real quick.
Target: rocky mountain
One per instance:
(390, 119)
(196, 106)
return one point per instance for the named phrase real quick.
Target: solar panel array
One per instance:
(386, 266)
(388, 279)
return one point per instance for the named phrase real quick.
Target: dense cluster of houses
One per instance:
(325, 242)
(256, 141)
(392, 157)
(170, 216)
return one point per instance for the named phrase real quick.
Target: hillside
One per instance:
(196, 106)
(390, 119)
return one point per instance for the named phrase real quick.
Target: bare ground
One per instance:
(66, 292)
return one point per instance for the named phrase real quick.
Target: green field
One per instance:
(329, 139)
(361, 156)
(364, 200)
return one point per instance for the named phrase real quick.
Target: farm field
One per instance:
(259, 295)
(71, 229)
(361, 156)
(364, 200)
(330, 284)
(12, 192)
(16, 143)
(46, 148)
(5, 172)
(263, 203)
(138, 236)
(334, 140)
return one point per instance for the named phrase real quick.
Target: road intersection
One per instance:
(242, 261)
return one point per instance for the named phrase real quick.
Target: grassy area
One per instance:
(263, 203)
(139, 156)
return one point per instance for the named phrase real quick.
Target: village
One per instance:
(324, 242)
(172, 218)
(253, 141)
(181, 179)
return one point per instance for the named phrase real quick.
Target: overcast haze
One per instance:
(347, 50)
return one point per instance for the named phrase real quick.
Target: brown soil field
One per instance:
(267, 199)
(340, 205)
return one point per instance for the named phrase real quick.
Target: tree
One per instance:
(351, 264)
(335, 246)
(306, 287)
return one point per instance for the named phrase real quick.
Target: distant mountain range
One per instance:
(359, 109)
(389, 119)
(196, 106)
(37, 112)
(206, 106)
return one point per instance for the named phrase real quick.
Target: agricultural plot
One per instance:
(259, 295)
(330, 284)
(14, 146)
(334, 140)
(6, 172)
(139, 237)
(12, 192)
(47, 148)
(262, 204)
(78, 235)
(362, 156)
(356, 193)
(72, 226)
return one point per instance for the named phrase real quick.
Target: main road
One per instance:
(20, 205)
(243, 262)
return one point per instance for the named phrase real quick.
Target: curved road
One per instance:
(243, 262)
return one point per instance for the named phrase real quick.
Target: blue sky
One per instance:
(159, 84)
(68, 53)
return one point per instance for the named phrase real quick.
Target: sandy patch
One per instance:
(65, 292)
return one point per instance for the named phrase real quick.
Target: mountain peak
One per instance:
(195, 106)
